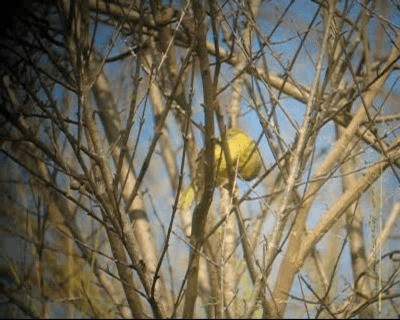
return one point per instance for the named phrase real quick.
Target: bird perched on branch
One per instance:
(245, 160)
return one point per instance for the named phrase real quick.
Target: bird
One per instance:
(245, 158)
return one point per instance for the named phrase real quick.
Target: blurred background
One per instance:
(106, 108)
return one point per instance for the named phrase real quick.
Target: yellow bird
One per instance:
(245, 156)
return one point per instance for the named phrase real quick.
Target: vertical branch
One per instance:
(296, 163)
(355, 228)
(136, 211)
(201, 210)
(101, 169)
(228, 256)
